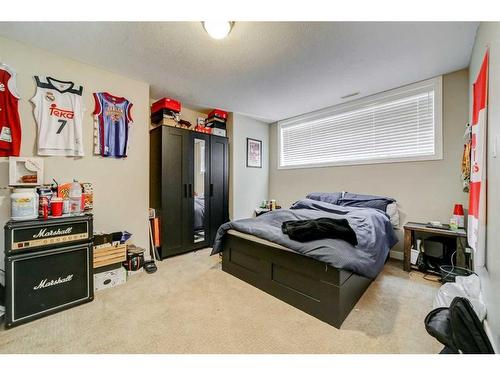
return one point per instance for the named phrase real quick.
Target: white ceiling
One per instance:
(268, 70)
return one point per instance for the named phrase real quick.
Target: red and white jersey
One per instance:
(59, 115)
(10, 125)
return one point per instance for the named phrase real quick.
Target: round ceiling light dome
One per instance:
(218, 29)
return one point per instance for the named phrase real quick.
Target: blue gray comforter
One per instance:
(199, 213)
(372, 227)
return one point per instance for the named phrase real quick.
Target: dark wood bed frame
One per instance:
(314, 287)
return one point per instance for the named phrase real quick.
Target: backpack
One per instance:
(458, 328)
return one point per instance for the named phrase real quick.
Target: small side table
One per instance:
(259, 211)
(410, 230)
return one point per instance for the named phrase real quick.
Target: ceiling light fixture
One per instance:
(350, 95)
(218, 29)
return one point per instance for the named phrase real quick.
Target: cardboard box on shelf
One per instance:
(218, 113)
(219, 132)
(203, 129)
(166, 103)
(157, 117)
(167, 122)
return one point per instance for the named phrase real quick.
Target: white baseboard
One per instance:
(487, 329)
(396, 255)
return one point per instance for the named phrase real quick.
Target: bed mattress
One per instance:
(257, 239)
(373, 229)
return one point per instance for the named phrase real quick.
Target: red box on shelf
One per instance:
(203, 129)
(218, 113)
(166, 103)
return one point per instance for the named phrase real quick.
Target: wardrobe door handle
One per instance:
(185, 191)
(211, 190)
(190, 191)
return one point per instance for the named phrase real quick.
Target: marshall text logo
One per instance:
(58, 232)
(45, 283)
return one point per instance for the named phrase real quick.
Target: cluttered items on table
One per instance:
(31, 199)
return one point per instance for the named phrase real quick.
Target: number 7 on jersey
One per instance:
(63, 123)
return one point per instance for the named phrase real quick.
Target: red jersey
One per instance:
(10, 125)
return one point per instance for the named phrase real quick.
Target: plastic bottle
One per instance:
(66, 206)
(24, 204)
(75, 198)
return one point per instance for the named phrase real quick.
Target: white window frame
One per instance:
(434, 83)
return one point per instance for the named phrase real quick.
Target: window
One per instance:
(397, 125)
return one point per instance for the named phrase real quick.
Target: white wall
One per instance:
(248, 186)
(121, 187)
(489, 35)
(425, 190)
(192, 115)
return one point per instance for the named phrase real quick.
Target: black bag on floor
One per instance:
(458, 328)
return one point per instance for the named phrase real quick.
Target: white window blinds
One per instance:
(399, 125)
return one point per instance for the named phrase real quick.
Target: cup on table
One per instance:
(56, 205)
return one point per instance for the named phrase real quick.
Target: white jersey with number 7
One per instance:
(59, 114)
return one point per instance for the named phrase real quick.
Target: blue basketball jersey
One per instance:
(113, 120)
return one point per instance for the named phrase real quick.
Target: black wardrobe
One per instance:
(189, 187)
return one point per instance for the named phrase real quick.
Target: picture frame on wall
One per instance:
(254, 153)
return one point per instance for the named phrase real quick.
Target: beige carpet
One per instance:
(191, 306)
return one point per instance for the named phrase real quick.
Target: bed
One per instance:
(199, 213)
(324, 278)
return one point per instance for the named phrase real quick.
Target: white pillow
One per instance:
(393, 212)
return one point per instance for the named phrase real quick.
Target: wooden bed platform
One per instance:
(314, 287)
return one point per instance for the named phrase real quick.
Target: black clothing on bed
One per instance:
(310, 230)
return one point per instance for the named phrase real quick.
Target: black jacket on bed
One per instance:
(316, 229)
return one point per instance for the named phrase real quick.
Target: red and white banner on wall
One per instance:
(477, 192)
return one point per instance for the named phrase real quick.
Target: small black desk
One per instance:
(410, 230)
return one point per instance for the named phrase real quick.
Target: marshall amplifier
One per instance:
(23, 236)
(51, 275)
